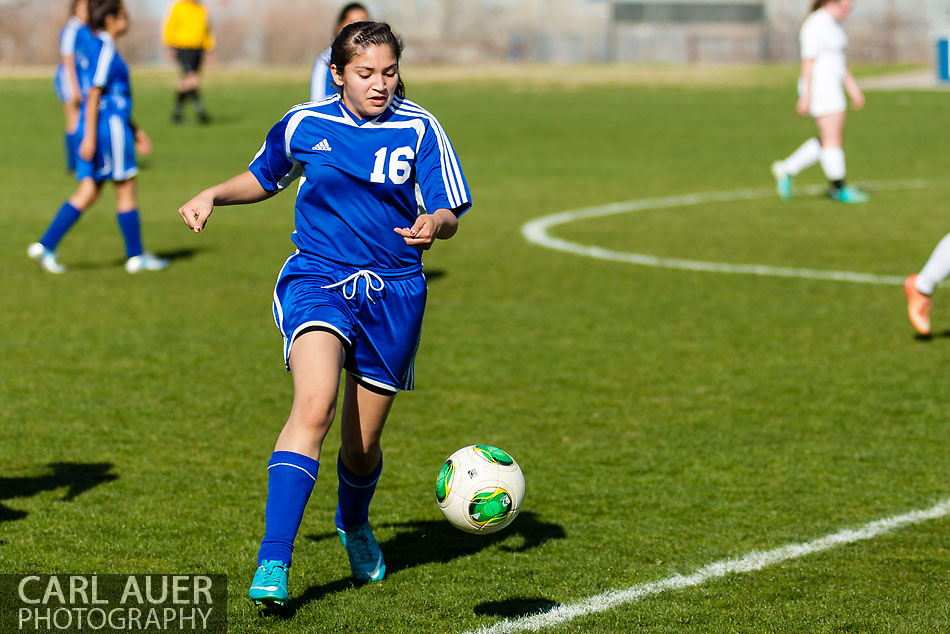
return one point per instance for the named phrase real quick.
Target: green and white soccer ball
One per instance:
(480, 489)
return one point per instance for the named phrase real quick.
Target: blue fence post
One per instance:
(943, 59)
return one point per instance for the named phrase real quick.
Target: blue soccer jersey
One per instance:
(361, 178)
(108, 71)
(115, 144)
(73, 40)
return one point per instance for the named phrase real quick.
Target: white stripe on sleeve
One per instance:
(102, 67)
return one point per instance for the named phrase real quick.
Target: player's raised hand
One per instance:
(237, 190)
(440, 224)
(196, 211)
(421, 234)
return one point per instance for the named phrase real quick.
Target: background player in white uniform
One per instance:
(72, 40)
(351, 297)
(107, 149)
(921, 286)
(321, 79)
(824, 79)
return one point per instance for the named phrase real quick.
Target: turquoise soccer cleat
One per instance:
(848, 195)
(366, 559)
(269, 587)
(783, 181)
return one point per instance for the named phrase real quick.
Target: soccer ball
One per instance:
(480, 489)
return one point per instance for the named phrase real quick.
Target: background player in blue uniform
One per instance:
(352, 296)
(73, 39)
(107, 149)
(321, 79)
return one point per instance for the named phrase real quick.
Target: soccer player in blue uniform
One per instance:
(321, 79)
(107, 149)
(73, 39)
(379, 183)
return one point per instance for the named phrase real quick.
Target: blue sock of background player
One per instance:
(129, 224)
(131, 228)
(62, 222)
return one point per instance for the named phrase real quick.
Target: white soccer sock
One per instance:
(832, 162)
(937, 268)
(804, 157)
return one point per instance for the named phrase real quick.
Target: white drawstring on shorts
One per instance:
(370, 280)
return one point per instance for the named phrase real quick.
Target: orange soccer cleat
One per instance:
(918, 306)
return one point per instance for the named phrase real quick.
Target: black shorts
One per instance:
(189, 59)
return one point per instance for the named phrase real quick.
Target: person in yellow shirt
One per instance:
(188, 35)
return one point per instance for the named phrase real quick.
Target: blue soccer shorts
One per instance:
(115, 152)
(376, 314)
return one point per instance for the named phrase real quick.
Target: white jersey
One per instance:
(321, 80)
(823, 40)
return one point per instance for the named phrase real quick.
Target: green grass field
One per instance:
(664, 419)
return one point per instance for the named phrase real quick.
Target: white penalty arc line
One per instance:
(755, 560)
(536, 232)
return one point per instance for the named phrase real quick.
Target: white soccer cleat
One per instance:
(45, 257)
(145, 262)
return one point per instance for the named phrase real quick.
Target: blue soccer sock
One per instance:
(131, 228)
(291, 477)
(354, 495)
(64, 220)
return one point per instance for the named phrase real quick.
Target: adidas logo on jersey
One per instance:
(322, 146)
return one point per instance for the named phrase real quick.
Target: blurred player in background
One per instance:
(188, 34)
(107, 149)
(321, 79)
(72, 42)
(351, 298)
(920, 287)
(824, 80)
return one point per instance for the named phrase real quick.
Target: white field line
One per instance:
(750, 562)
(536, 232)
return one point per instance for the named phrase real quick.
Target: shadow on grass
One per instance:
(433, 274)
(516, 608)
(177, 254)
(420, 543)
(934, 335)
(79, 477)
(217, 118)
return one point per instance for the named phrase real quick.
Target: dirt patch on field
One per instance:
(588, 75)
(537, 76)
(526, 75)
(914, 80)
